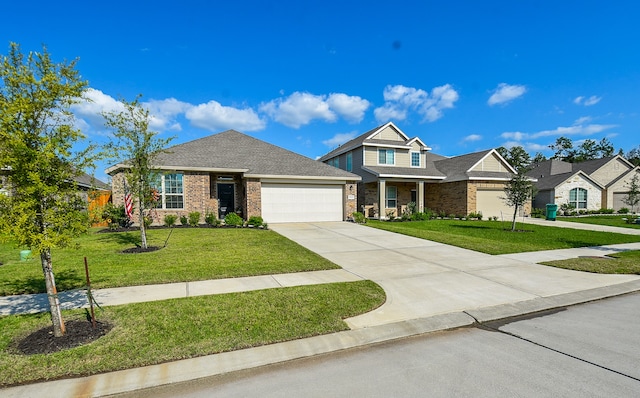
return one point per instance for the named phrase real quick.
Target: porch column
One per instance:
(420, 190)
(382, 199)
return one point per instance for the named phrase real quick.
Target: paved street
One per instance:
(590, 350)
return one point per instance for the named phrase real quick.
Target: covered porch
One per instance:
(392, 196)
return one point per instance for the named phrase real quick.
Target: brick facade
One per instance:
(200, 194)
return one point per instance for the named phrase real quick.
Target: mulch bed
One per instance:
(138, 249)
(78, 333)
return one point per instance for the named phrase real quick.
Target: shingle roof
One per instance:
(235, 151)
(87, 181)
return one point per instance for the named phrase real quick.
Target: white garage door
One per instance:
(491, 204)
(301, 203)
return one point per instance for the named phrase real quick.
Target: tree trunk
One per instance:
(143, 231)
(513, 223)
(52, 293)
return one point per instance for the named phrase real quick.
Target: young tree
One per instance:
(520, 188)
(138, 148)
(633, 194)
(518, 191)
(43, 209)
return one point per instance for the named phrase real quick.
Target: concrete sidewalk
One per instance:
(429, 286)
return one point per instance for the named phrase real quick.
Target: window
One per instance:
(415, 159)
(170, 190)
(349, 162)
(386, 156)
(391, 198)
(335, 162)
(578, 198)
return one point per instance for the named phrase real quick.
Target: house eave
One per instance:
(273, 177)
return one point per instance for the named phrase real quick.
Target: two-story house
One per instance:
(396, 170)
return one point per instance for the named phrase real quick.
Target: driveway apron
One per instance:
(422, 278)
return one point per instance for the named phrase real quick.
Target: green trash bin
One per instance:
(25, 255)
(552, 209)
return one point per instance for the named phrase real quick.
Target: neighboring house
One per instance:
(396, 170)
(590, 185)
(233, 172)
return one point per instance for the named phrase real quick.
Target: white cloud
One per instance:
(579, 128)
(472, 138)
(399, 100)
(339, 139)
(213, 116)
(506, 93)
(351, 108)
(94, 102)
(583, 120)
(582, 100)
(164, 113)
(300, 109)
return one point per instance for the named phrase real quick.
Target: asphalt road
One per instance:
(590, 350)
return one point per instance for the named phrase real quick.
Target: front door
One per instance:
(226, 199)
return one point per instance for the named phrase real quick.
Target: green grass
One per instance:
(161, 331)
(620, 263)
(191, 254)
(494, 237)
(610, 220)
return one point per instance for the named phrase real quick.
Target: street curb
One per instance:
(211, 365)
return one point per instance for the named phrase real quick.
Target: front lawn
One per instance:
(619, 263)
(191, 254)
(495, 237)
(610, 220)
(161, 331)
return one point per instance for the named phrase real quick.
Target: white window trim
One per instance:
(386, 152)
(163, 193)
(388, 198)
(578, 201)
(419, 159)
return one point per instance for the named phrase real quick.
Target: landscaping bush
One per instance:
(358, 217)
(419, 216)
(233, 219)
(115, 216)
(255, 221)
(170, 220)
(184, 220)
(194, 218)
(538, 213)
(623, 210)
(211, 219)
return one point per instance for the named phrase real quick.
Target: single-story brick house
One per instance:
(397, 169)
(233, 172)
(590, 185)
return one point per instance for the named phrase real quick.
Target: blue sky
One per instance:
(461, 75)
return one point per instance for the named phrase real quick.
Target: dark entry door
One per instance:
(226, 199)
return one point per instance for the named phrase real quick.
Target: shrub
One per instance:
(211, 219)
(623, 210)
(582, 212)
(538, 213)
(256, 221)
(194, 218)
(184, 220)
(412, 208)
(391, 215)
(170, 220)
(359, 218)
(115, 216)
(419, 216)
(233, 219)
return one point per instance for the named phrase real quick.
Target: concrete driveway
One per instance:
(423, 278)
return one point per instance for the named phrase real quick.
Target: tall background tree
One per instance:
(37, 135)
(137, 148)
